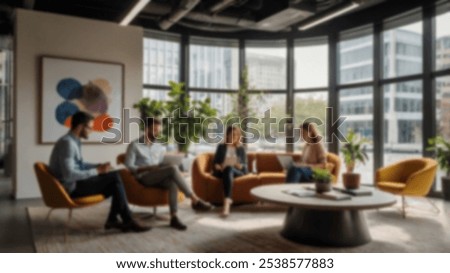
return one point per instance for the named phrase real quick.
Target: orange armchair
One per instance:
(412, 177)
(140, 195)
(56, 197)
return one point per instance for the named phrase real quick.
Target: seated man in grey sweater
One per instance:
(81, 179)
(144, 156)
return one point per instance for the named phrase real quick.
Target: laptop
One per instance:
(286, 161)
(173, 159)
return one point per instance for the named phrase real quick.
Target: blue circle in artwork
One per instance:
(65, 110)
(69, 89)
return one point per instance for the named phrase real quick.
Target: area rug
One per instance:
(250, 228)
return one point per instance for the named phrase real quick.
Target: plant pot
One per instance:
(322, 187)
(351, 180)
(446, 187)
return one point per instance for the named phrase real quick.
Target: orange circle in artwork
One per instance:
(68, 121)
(103, 123)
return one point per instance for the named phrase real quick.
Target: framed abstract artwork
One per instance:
(72, 85)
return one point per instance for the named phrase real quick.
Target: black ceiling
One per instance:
(229, 17)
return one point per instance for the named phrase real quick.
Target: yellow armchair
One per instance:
(56, 197)
(412, 177)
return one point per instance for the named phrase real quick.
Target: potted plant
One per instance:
(441, 149)
(354, 152)
(322, 179)
(151, 108)
(183, 119)
(187, 118)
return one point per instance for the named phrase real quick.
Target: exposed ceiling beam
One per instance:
(184, 8)
(196, 25)
(222, 5)
(316, 20)
(159, 9)
(138, 7)
(291, 14)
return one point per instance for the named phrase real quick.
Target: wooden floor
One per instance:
(15, 228)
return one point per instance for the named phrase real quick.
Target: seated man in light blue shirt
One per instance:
(143, 158)
(82, 179)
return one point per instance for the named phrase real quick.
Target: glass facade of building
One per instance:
(214, 73)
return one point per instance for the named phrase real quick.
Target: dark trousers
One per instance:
(227, 176)
(109, 184)
(299, 174)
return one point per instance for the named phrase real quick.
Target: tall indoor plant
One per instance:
(151, 108)
(354, 152)
(441, 149)
(187, 118)
(183, 118)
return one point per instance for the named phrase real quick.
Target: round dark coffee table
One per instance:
(317, 221)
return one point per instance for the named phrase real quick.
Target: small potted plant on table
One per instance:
(322, 179)
(354, 152)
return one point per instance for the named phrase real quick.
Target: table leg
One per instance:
(326, 228)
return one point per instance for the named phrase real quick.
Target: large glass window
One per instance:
(223, 102)
(442, 39)
(356, 59)
(156, 94)
(311, 106)
(403, 121)
(161, 61)
(402, 50)
(356, 105)
(266, 63)
(270, 111)
(311, 65)
(214, 64)
(442, 114)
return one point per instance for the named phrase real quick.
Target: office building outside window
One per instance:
(356, 59)
(356, 105)
(403, 121)
(161, 61)
(214, 63)
(402, 51)
(266, 63)
(442, 38)
(311, 63)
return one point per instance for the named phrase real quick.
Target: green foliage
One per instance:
(185, 121)
(321, 175)
(242, 101)
(243, 96)
(354, 150)
(188, 119)
(150, 108)
(441, 149)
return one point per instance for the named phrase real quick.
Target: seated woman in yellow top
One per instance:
(313, 156)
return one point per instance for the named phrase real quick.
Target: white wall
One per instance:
(38, 34)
